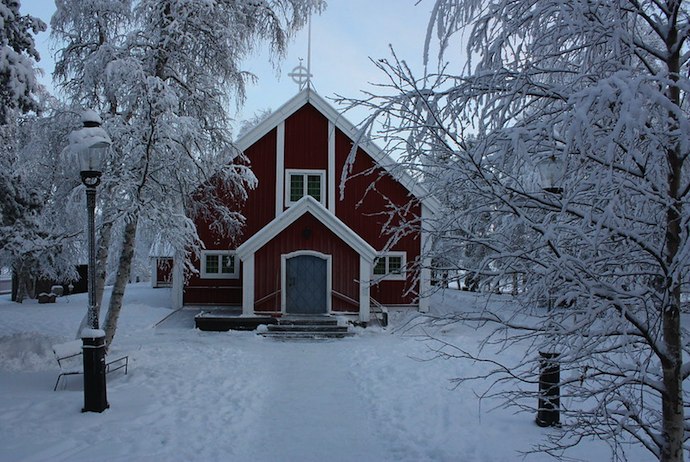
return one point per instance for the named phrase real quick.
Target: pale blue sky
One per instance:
(344, 36)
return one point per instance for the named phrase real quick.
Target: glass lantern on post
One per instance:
(551, 174)
(91, 144)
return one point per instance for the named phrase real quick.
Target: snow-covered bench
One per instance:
(69, 359)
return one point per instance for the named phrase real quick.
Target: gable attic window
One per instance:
(219, 264)
(390, 266)
(300, 183)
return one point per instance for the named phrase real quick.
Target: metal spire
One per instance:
(302, 75)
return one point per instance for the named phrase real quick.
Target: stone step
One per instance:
(305, 328)
(303, 321)
(306, 335)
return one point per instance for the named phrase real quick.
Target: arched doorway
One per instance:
(306, 283)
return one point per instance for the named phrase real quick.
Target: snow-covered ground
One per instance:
(236, 396)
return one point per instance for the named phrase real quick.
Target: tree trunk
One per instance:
(25, 286)
(672, 402)
(102, 259)
(121, 279)
(673, 414)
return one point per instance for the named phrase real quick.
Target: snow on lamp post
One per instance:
(91, 143)
(549, 402)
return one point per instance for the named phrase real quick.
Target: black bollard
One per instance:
(548, 412)
(93, 351)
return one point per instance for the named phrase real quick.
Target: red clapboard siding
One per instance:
(306, 140)
(364, 210)
(259, 209)
(213, 293)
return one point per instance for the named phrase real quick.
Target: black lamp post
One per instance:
(549, 403)
(91, 144)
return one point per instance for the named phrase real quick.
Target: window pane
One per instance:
(394, 265)
(296, 187)
(228, 264)
(380, 266)
(212, 264)
(314, 186)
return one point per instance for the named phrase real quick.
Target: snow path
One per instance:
(310, 405)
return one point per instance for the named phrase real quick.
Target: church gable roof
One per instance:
(306, 205)
(308, 96)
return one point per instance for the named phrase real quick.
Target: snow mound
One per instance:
(27, 352)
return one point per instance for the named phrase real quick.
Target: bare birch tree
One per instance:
(162, 73)
(598, 89)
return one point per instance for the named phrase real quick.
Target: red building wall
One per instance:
(306, 147)
(366, 211)
(259, 209)
(306, 139)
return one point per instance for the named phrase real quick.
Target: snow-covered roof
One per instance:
(320, 104)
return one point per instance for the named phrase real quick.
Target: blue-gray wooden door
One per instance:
(306, 285)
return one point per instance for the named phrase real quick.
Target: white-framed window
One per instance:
(299, 183)
(219, 264)
(390, 266)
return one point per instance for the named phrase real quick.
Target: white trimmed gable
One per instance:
(380, 157)
(304, 205)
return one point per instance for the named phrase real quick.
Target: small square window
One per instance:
(218, 264)
(296, 187)
(300, 183)
(390, 266)
(212, 264)
(394, 265)
(228, 264)
(380, 266)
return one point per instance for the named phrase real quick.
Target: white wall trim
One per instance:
(177, 292)
(365, 269)
(283, 276)
(248, 286)
(154, 271)
(280, 166)
(331, 167)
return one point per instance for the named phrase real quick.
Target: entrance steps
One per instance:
(306, 327)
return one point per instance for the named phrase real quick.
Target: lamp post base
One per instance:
(548, 411)
(93, 351)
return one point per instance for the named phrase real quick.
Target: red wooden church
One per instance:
(304, 248)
